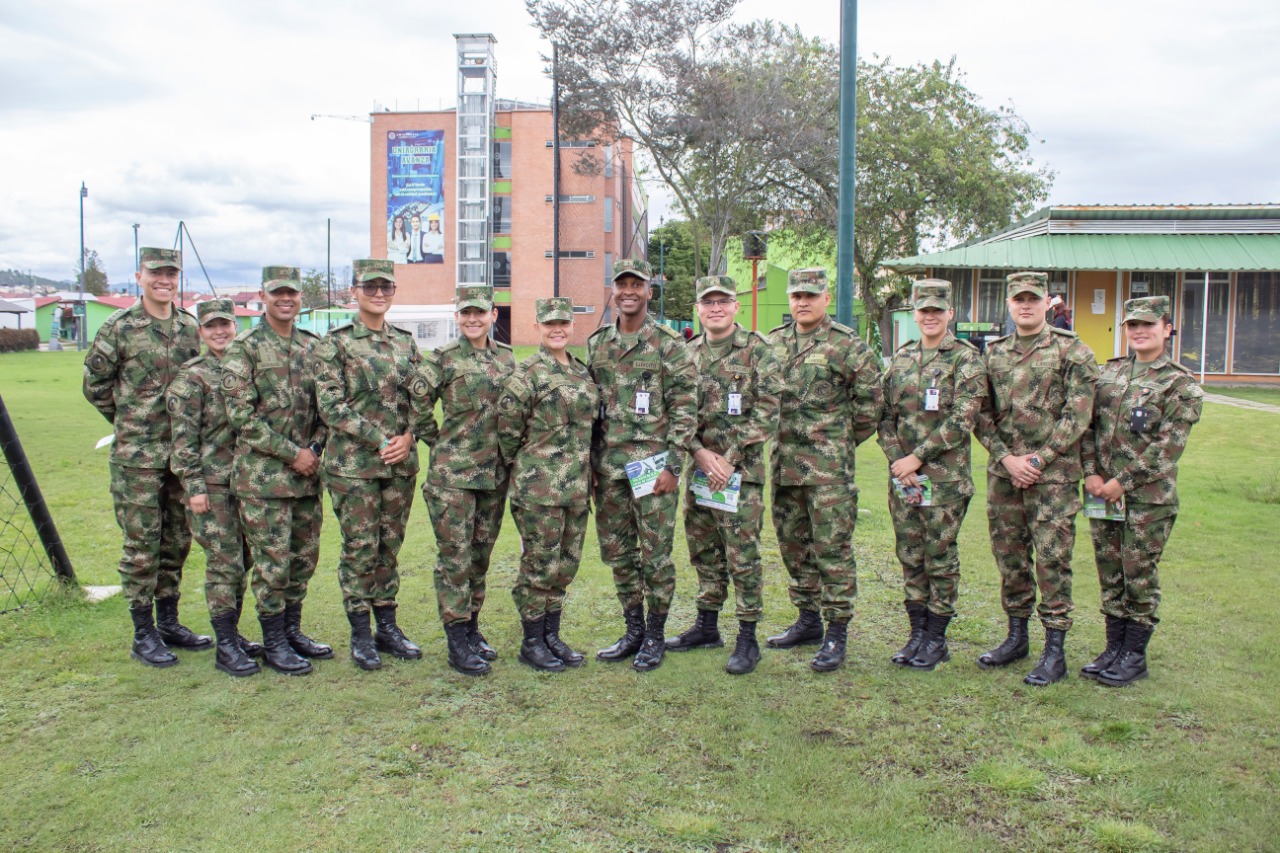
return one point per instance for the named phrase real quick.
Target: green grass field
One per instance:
(1257, 393)
(101, 753)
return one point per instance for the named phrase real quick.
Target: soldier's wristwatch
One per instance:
(1035, 462)
(673, 470)
(315, 448)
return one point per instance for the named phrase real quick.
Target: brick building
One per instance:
(477, 182)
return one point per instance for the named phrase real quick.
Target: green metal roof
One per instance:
(1175, 252)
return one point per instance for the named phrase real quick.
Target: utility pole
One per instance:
(84, 309)
(135, 258)
(848, 159)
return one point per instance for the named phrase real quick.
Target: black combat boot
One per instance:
(916, 615)
(301, 643)
(534, 651)
(1131, 665)
(173, 632)
(462, 655)
(933, 650)
(629, 643)
(1052, 667)
(229, 657)
(805, 631)
(831, 655)
(477, 640)
(654, 645)
(148, 647)
(746, 652)
(705, 634)
(249, 647)
(558, 646)
(1115, 645)
(277, 653)
(1015, 646)
(364, 651)
(389, 638)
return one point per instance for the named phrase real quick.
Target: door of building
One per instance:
(1094, 311)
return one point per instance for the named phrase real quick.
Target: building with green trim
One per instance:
(1219, 264)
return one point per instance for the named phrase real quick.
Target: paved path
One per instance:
(1242, 403)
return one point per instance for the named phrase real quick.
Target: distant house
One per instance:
(1219, 264)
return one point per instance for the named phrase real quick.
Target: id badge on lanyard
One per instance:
(932, 396)
(733, 405)
(642, 396)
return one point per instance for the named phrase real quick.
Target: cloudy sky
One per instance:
(202, 112)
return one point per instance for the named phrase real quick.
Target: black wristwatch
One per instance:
(673, 470)
(316, 448)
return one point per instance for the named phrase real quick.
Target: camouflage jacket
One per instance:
(362, 389)
(468, 383)
(269, 384)
(659, 364)
(203, 443)
(126, 373)
(1145, 463)
(1039, 401)
(751, 370)
(544, 429)
(941, 439)
(831, 402)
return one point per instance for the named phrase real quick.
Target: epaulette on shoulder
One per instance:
(452, 345)
(501, 345)
(1117, 358)
(999, 340)
(307, 332)
(600, 331)
(1177, 365)
(342, 327)
(758, 336)
(1064, 332)
(905, 344)
(114, 316)
(780, 328)
(248, 333)
(966, 342)
(192, 362)
(842, 329)
(669, 332)
(398, 328)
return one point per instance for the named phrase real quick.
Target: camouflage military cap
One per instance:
(813, 280)
(215, 309)
(474, 296)
(709, 284)
(556, 308)
(1146, 309)
(372, 269)
(931, 293)
(154, 259)
(1027, 282)
(632, 266)
(278, 278)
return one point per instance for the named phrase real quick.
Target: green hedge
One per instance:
(16, 340)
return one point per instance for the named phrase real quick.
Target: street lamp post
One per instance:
(662, 269)
(135, 258)
(84, 315)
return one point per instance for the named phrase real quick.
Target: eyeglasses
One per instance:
(716, 303)
(373, 288)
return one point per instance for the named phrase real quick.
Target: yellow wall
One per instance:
(1096, 330)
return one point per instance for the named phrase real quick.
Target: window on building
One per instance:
(502, 161)
(608, 161)
(1194, 329)
(608, 269)
(501, 269)
(991, 298)
(502, 214)
(584, 309)
(572, 143)
(573, 254)
(572, 199)
(608, 215)
(1256, 345)
(961, 292)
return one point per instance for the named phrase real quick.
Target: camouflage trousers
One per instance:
(926, 547)
(724, 545)
(1039, 520)
(815, 527)
(552, 540)
(372, 514)
(466, 523)
(226, 554)
(1128, 556)
(635, 542)
(284, 542)
(151, 516)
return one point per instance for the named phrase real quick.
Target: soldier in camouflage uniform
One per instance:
(134, 357)
(1039, 403)
(268, 382)
(370, 463)
(933, 391)
(648, 406)
(544, 428)
(739, 383)
(1143, 411)
(831, 402)
(466, 488)
(203, 445)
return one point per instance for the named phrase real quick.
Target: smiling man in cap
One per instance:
(135, 356)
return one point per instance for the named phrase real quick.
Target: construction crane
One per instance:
(365, 119)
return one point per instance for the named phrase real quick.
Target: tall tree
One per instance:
(674, 252)
(315, 292)
(95, 274)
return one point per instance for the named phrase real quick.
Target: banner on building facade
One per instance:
(415, 196)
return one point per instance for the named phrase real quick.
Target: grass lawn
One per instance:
(101, 753)
(1257, 393)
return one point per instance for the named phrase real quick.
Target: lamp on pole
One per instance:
(84, 312)
(135, 258)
